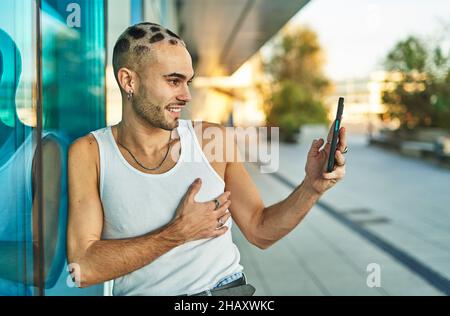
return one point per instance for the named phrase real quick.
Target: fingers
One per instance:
(223, 219)
(339, 158)
(330, 132)
(337, 174)
(342, 139)
(194, 189)
(222, 210)
(315, 147)
(329, 138)
(221, 215)
(339, 171)
(222, 199)
(220, 231)
(341, 132)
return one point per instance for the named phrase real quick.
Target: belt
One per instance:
(237, 287)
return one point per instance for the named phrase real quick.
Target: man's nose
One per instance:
(185, 96)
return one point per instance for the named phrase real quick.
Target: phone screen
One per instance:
(337, 124)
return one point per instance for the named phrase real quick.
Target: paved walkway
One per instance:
(390, 210)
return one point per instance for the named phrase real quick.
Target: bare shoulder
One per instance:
(221, 138)
(84, 145)
(84, 153)
(207, 131)
(205, 124)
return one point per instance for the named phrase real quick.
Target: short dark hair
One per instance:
(136, 41)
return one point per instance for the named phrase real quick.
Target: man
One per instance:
(137, 216)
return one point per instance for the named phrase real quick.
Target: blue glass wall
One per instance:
(73, 60)
(73, 80)
(73, 103)
(17, 147)
(136, 11)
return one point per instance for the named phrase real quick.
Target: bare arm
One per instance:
(96, 260)
(280, 218)
(263, 226)
(104, 260)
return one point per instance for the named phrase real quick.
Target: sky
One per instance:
(357, 34)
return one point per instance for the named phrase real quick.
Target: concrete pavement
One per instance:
(390, 210)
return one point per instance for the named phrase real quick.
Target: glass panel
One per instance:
(17, 146)
(73, 95)
(136, 11)
(73, 79)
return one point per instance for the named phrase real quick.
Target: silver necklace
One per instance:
(137, 161)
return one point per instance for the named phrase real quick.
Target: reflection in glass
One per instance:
(73, 79)
(73, 104)
(17, 148)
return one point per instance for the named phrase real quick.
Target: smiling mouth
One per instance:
(174, 111)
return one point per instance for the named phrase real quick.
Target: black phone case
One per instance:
(337, 124)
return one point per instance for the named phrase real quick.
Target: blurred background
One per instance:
(383, 230)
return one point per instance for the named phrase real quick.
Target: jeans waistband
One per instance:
(229, 279)
(236, 282)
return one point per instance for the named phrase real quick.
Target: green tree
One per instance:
(294, 106)
(299, 85)
(419, 96)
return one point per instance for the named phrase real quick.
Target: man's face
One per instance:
(163, 87)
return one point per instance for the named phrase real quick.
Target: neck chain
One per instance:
(144, 167)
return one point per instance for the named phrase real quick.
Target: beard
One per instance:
(152, 113)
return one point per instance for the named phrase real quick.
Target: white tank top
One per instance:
(136, 203)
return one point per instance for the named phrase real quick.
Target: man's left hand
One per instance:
(317, 178)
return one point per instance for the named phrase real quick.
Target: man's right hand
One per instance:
(198, 220)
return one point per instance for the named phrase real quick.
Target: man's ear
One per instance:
(127, 80)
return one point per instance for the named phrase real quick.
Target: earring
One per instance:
(130, 94)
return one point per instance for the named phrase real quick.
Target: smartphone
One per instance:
(337, 124)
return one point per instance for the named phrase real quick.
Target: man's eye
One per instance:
(174, 82)
(189, 82)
